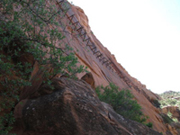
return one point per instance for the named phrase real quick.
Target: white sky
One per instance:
(144, 36)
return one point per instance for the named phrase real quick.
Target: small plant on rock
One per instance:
(122, 102)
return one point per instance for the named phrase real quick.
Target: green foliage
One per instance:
(170, 94)
(149, 124)
(122, 102)
(171, 102)
(170, 98)
(29, 27)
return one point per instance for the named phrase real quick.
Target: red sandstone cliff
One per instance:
(104, 67)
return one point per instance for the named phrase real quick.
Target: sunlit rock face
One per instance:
(114, 72)
(82, 18)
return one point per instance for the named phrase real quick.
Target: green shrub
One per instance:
(171, 102)
(29, 27)
(149, 124)
(163, 103)
(122, 102)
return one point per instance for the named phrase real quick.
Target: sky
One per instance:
(144, 36)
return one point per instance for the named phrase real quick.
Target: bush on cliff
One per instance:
(122, 102)
(28, 33)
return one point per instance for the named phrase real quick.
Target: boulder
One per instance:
(173, 109)
(71, 108)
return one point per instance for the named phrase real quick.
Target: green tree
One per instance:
(29, 27)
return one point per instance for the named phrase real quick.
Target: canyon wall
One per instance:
(103, 65)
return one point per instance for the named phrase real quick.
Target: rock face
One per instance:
(89, 79)
(72, 108)
(103, 65)
(173, 109)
